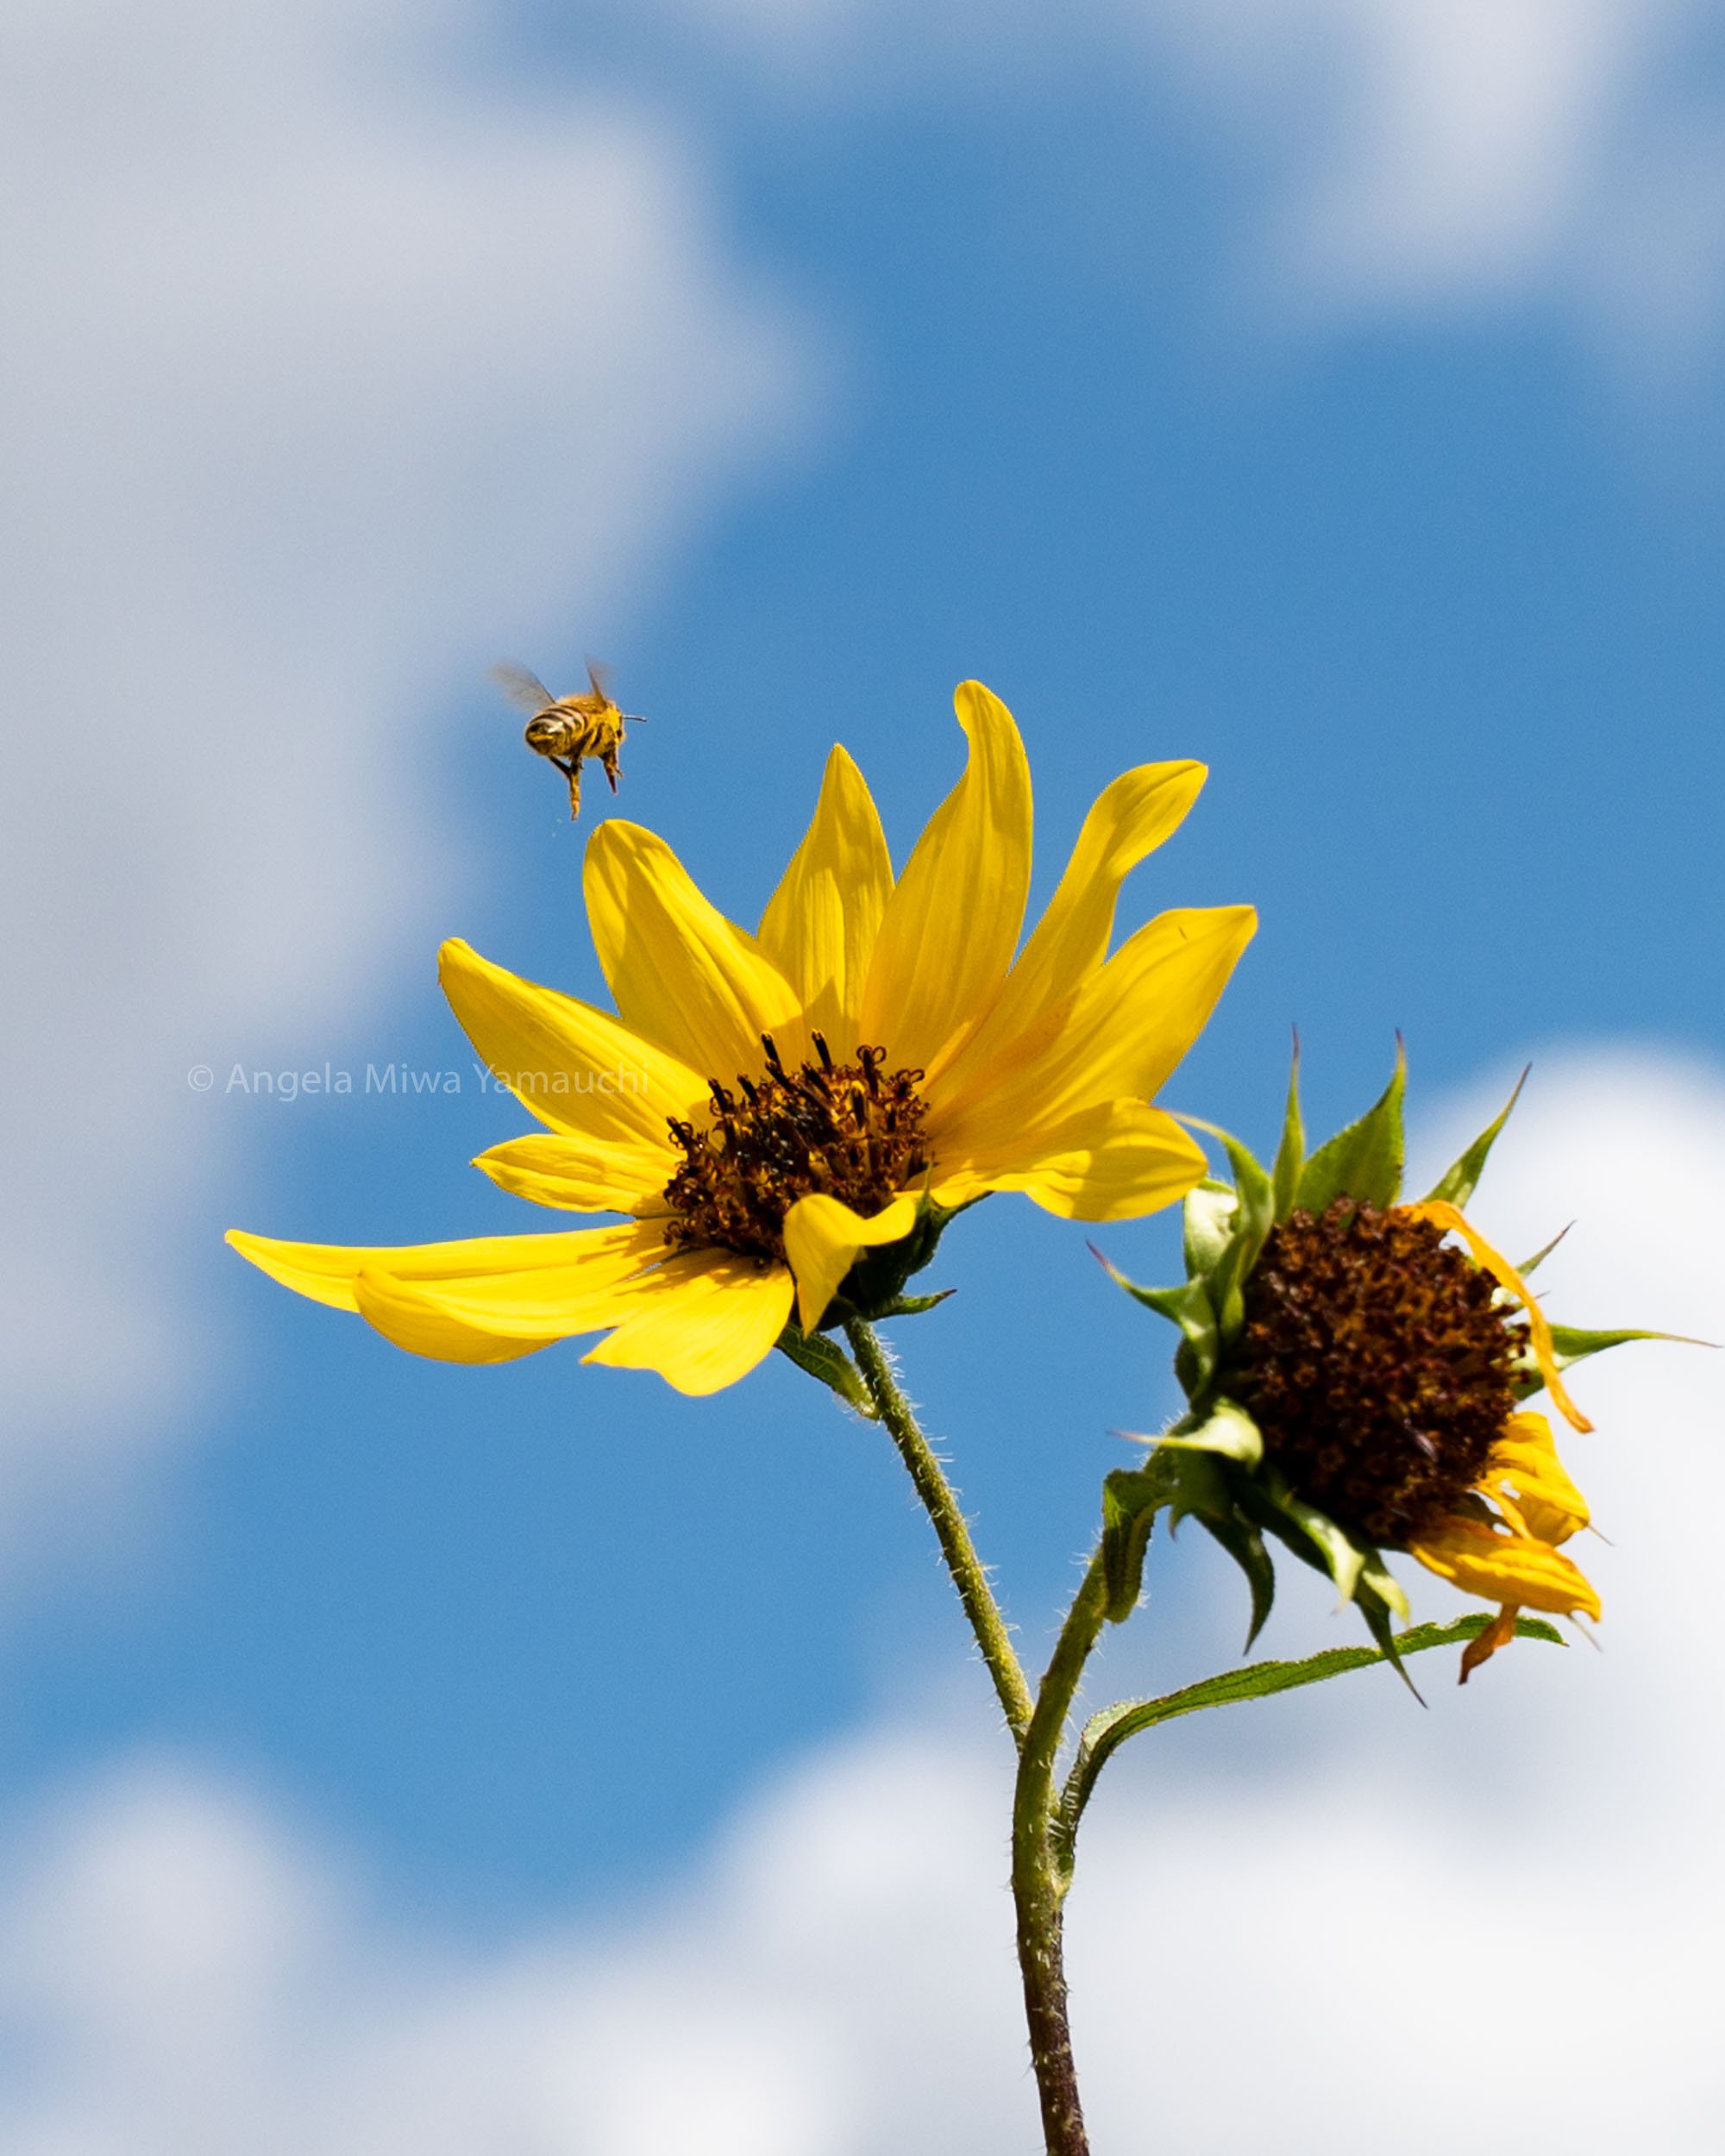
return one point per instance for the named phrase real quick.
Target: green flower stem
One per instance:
(1042, 1871)
(941, 1504)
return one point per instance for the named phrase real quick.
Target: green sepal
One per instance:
(826, 1360)
(1208, 1221)
(1132, 1497)
(913, 1306)
(1364, 1161)
(1227, 1429)
(874, 1287)
(1104, 1733)
(1291, 1154)
(1574, 1343)
(1244, 1545)
(1532, 1264)
(1375, 1613)
(1188, 1307)
(1346, 1557)
(1456, 1185)
(1253, 1217)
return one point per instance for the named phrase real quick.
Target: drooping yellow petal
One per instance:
(1130, 1025)
(1114, 1161)
(576, 1069)
(1505, 1568)
(1129, 819)
(1547, 1502)
(953, 923)
(723, 1321)
(327, 1271)
(820, 923)
(581, 1175)
(1442, 1214)
(824, 1237)
(684, 977)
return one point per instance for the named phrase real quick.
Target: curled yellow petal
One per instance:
(327, 1272)
(1524, 1471)
(722, 1320)
(824, 1237)
(684, 977)
(418, 1323)
(1114, 1161)
(821, 923)
(578, 1069)
(1501, 1567)
(1129, 819)
(951, 925)
(581, 1175)
(1442, 1214)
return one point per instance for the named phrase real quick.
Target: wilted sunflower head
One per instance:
(784, 1120)
(1356, 1368)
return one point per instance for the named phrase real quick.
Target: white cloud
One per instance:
(1431, 157)
(1342, 1926)
(322, 378)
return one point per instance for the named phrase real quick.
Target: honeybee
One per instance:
(569, 729)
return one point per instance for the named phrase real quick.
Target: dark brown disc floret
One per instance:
(1378, 1364)
(853, 1130)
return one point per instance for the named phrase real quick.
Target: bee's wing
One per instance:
(599, 675)
(522, 687)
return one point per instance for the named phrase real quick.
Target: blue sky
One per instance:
(1294, 394)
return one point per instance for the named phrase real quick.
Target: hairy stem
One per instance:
(1042, 1872)
(941, 1504)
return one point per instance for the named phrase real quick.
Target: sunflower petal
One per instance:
(581, 1175)
(419, 1324)
(1441, 1214)
(1114, 1161)
(1498, 1633)
(953, 923)
(578, 1069)
(1505, 1568)
(820, 923)
(1129, 819)
(684, 977)
(1548, 1503)
(721, 1322)
(1131, 1024)
(824, 1237)
(327, 1272)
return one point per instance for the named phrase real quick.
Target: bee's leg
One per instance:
(571, 769)
(609, 760)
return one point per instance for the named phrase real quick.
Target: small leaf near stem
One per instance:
(940, 1501)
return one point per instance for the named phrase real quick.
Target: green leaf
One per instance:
(1188, 1307)
(1364, 1161)
(1456, 1184)
(1104, 1733)
(1291, 1154)
(1227, 1429)
(824, 1359)
(1209, 1221)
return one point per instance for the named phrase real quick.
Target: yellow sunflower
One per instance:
(788, 1116)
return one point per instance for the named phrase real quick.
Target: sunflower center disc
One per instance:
(852, 1131)
(1377, 1365)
